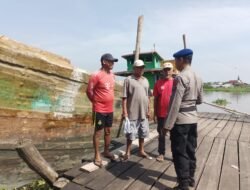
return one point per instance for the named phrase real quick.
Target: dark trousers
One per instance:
(161, 138)
(183, 144)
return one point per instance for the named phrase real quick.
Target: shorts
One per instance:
(102, 120)
(140, 129)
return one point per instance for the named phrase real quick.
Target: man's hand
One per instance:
(155, 118)
(165, 131)
(148, 115)
(124, 115)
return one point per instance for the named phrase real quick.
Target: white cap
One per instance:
(167, 65)
(138, 63)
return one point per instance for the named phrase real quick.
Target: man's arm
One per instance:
(148, 113)
(124, 107)
(90, 88)
(124, 99)
(155, 94)
(175, 103)
(155, 108)
(200, 94)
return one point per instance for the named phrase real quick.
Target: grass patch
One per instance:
(35, 185)
(221, 102)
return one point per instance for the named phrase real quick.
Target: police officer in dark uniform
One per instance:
(182, 119)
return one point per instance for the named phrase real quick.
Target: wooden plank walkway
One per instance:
(223, 161)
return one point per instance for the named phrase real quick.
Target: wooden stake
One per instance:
(138, 37)
(184, 41)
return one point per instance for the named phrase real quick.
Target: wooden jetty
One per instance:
(223, 161)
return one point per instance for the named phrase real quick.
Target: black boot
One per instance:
(183, 185)
(191, 182)
(191, 178)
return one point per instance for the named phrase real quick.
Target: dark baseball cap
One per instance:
(108, 57)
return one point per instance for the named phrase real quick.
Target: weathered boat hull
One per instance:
(43, 98)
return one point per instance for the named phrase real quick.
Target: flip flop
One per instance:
(124, 158)
(145, 156)
(98, 163)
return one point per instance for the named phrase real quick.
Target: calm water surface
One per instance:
(238, 101)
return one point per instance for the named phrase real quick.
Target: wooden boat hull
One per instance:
(43, 99)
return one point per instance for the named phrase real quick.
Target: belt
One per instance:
(188, 109)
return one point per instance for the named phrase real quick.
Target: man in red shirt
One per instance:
(162, 93)
(100, 92)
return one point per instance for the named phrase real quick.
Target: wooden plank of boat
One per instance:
(244, 155)
(214, 122)
(90, 167)
(122, 170)
(73, 186)
(245, 133)
(204, 124)
(229, 179)
(153, 172)
(224, 133)
(167, 180)
(202, 155)
(206, 130)
(214, 162)
(216, 130)
(86, 177)
(201, 120)
(74, 172)
(210, 177)
(236, 131)
(117, 170)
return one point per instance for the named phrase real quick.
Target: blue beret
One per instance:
(183, 53)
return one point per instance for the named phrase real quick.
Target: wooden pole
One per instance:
(28, 152)
(138, 37)
(184, 41)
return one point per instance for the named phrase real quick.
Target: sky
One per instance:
(218, 31)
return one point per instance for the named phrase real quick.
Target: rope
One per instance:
(230, 110)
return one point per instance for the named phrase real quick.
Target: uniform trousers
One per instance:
(183, 145)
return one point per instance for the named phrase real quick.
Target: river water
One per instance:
(238, 101)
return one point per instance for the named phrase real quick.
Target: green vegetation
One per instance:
(244, 88)
(36, 185)
(221, 102)
(207, 86)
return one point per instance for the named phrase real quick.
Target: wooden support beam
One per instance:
(184, 41)
(28, 152)
(138, 37)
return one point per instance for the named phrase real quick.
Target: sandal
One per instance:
(109, 156)
(124, 157)
(145, 155)
(160, 158)
(98, 163)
